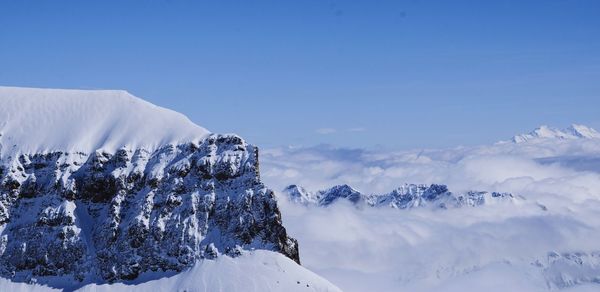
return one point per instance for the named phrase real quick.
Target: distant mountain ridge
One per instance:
(545, 133)
(407, 196)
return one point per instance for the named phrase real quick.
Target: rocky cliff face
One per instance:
(112, 216)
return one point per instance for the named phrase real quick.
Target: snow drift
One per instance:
(258, 271)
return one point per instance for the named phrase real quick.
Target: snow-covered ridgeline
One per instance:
(36, 120)
(545, 132)
(404, 197)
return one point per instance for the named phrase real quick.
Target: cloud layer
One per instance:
(475, 248)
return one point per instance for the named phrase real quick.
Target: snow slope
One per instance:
(255, 271)
(36, 120)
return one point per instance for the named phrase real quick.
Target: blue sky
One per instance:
(401, 74)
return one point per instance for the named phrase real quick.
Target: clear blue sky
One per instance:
(401, 74)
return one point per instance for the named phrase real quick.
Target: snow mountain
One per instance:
(547, 133)
(102, 187)
(406, 196)
(298, 194)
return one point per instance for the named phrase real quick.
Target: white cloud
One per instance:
(492, 248)
(461, 168)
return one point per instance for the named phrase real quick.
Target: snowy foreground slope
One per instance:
(253, 272)
(544, 236)
(102, 188)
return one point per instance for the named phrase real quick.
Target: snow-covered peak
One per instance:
(582, 131)
(298, 194)
(546, 132)
(34, 120)
(331, 195)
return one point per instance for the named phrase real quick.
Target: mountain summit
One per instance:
(37, 120)
(544, 133)
(102, 187)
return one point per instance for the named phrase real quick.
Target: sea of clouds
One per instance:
(547, 239)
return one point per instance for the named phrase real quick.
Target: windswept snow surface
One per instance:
(34, 120)
(548, 240)
(256, 271)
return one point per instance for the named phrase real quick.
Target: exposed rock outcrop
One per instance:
(115, 215)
